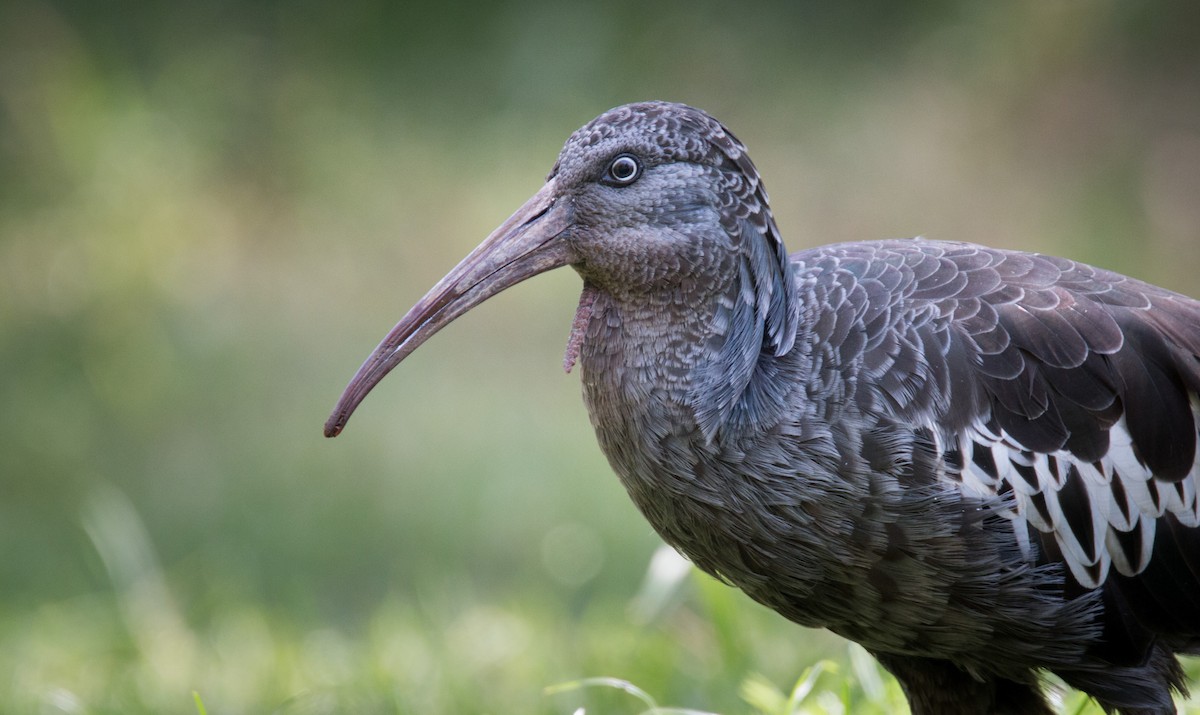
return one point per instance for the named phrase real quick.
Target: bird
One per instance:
(980, 464)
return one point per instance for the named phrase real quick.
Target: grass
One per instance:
(684, 645)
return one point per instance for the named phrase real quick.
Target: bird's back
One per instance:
(1055, 395)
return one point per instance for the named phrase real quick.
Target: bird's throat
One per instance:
(657, 359)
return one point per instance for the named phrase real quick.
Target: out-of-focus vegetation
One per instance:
(210, 213)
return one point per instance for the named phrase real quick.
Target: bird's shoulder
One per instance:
(921, 269)
(1067, 390)
(996, 316)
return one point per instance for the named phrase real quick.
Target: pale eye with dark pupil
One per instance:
(624, 169)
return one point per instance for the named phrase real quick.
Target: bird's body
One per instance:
(977, 463)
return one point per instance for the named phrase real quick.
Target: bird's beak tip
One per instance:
(334, 427)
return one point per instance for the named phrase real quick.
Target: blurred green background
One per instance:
(211, 212)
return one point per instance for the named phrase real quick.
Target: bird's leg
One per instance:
(938, 687)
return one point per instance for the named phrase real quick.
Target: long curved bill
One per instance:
(527, 244)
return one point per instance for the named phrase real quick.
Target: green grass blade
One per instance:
(604, 682)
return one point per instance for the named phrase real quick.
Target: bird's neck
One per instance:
(637, 354)
(673, 363)
(652, 374)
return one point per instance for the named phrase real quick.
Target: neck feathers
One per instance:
(755, 324)
(718, 359)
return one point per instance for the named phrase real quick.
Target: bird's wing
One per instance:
(1066, 389)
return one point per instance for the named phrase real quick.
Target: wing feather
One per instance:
(1067, 391)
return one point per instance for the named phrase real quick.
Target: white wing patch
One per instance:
(1102, 514)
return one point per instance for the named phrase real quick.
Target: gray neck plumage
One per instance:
(710, 361)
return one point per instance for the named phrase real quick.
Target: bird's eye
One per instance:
(623, 170)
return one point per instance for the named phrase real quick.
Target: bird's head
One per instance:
(646, 197)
